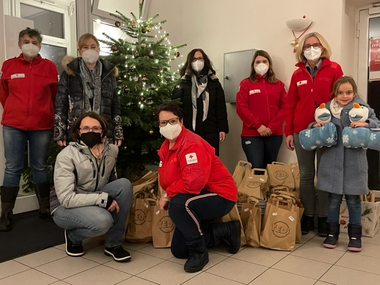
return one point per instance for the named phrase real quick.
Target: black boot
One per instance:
(198, 255)
(228, 232)
(355, 235)
(331, 240)
(307, 224)
(43, 196)
(322, 226)
(8, 199)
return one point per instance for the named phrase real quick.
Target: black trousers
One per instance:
(192, 215)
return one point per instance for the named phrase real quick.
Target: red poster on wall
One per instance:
(374, 57)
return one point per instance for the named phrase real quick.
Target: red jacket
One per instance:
(191, 165)
(304, 93)
(27, 93)
(261, 103)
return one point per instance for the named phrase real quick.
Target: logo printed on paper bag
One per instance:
(191, 158)
(281, 175)
(280, 229)
(166, 225)
(139, 217)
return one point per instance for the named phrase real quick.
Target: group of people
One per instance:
(83, 109)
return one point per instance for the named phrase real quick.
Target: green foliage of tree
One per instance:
(145, 81)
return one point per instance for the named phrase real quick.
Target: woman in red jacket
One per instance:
(311, 85)
(199, 188)
(260, 104)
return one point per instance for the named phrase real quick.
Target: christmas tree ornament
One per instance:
(142, 98)
(148, 28)
(150, 54)
(143, 45)
(117, 24)
(177, 54)
(143, 30)
(126, 89)
(133, 24)
(144, 78)
(114, 48)
(151, 132)
(137, 54)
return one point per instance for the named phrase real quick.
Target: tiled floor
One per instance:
(309, 263)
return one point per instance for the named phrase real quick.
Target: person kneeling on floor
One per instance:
(88, 200)
(198, 190)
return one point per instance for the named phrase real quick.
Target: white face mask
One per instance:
(171, 132)
(261, 69)
(312, 53)
(30, 50)
(198, 65)
(90, 56)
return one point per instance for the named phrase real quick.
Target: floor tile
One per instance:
(237, 270)
(66, 267)
(210, 279)
(318, 253)
(30, 277)
(301, 266)
(139, 263)
(41, 257)
(167, 273)
(163, 253)
(11, 267)
(136, 281)
(276, 277)
(347, 276)
(261, 256)
(360, 262)
(99, 275)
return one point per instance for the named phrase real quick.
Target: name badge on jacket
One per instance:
(302, 82)
(18, 75)
(254, 91)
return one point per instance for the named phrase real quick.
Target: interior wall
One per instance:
(220, 27)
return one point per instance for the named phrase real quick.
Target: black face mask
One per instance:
(91, 138)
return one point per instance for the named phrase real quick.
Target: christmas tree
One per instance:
(145, 81)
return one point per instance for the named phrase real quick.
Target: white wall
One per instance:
(224, 26)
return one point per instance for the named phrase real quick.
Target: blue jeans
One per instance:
(92, 221)
(306, 164)
(261, 150)
(14, 149)
(354, 208)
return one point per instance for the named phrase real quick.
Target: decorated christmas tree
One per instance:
(145, 81)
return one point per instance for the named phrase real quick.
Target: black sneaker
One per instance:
(118, 253)
(72, 249)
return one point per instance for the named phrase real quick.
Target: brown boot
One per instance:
(43, 195)
(8, 199)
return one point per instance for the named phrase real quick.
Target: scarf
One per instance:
(198, 88)
(335, 109)
(91, 81)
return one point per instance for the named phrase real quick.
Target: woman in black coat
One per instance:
(202, 97)
(87, 84)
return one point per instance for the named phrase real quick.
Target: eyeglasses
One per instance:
(198, 58)
(315, 45)
(87, 129)
(172, 121)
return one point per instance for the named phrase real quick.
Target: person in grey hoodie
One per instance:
(88, 200)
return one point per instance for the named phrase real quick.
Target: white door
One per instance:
(369, 78)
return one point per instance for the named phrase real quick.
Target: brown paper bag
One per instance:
(254, 183)
(231, 216)
(280, 174)
(251, 220)
(240, 170)
(139, 227)
(162, 227)
(146, 183)
(280, 227)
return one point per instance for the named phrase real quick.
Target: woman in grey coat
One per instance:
(344, 171)
(88, 200)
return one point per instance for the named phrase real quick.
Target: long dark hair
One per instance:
(187, 66)
(270, 74)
